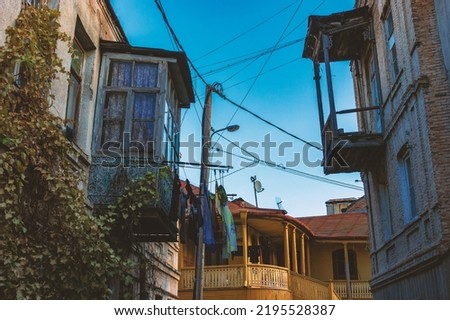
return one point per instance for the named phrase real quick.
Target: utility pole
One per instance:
(206, 141)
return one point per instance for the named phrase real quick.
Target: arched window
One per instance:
(339, 265)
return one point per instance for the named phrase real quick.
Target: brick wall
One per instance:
(416, 112)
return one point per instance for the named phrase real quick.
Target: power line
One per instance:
(286, 169)
(247, 57)
(177, 41)
(270, 123)
(161, 9)
(267, 60)
(245, 32)
(270, 70)
(270, 55)
(239, 106)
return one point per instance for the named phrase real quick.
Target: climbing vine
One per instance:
(51, 247)
(127, 211)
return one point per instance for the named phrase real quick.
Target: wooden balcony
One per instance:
(108, 180)
(350, 151)
(359, 289)
(266, 282)
(307, 288)
(344, 36)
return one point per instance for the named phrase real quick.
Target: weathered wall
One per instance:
(10, 11)
(415, 109)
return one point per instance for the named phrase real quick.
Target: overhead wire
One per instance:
(240, 107)
(270, 70)
(255, 159)
(247, 57)
(266, 62)
(270, 55)
(161, 9)
(245, 32)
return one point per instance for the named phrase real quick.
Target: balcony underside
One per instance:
(109, 180)
(353, 153)
(348, 32)
(155, 226)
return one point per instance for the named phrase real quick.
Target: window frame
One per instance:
(161, 90)
(406, 180)
(391, 45)
(73, 103)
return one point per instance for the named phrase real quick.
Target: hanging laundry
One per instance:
(176, 189)
(182, 216)
(208, 233)
(228, 222)
(253, 252)
(216, 220)
(195, 217)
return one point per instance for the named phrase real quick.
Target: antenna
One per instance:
(257, 188)
(278, 201)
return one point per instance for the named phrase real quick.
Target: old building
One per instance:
(282, 257)
(121, 110)
(399, 57)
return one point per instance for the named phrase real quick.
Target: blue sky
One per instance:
(216, 34)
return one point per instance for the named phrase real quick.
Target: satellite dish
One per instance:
(279, 202)
(258, 186)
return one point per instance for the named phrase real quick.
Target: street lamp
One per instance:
(232, 128)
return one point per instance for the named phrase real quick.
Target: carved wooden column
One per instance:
(303, 255)
(244, 246)
(286, 246)
(294, 250)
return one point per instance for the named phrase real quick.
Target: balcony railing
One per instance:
(261, 277)
(214, 277)
(360, 289)
(352, 151)
(268, 277)
(108, 180)
(308, 288)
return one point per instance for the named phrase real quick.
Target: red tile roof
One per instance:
(338, 226)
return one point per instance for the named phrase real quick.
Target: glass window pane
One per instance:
(144, 106)
(120, 74)
(112, 131)
(77, 59)
(115, 105)
(142, 131)
(113, 116)
(146, 75)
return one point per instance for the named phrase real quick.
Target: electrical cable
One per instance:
(286, 169)
(158, 3)
(245, 32)
(248, 57)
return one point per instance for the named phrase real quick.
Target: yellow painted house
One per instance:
(280, 257)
